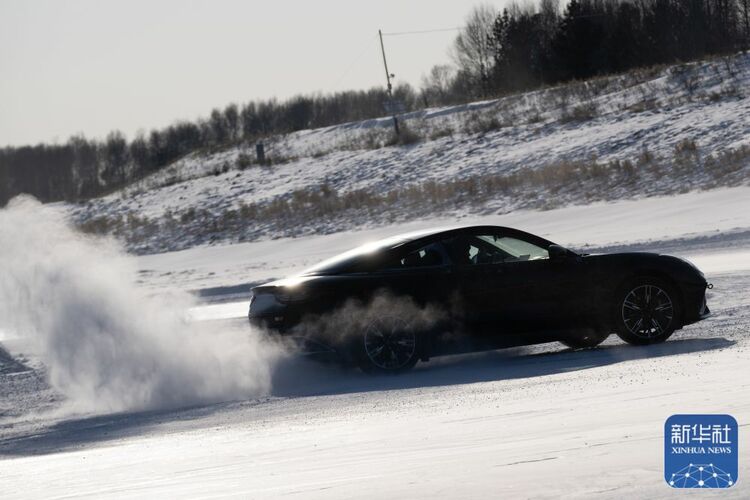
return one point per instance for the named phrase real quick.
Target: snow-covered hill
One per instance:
(648, 132)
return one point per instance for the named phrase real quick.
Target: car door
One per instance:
(512, 292)
(422, 271)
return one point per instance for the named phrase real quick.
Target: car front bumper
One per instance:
(696, 305)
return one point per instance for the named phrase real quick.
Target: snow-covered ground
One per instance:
(539, 422)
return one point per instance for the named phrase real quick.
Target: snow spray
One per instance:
(107, 345)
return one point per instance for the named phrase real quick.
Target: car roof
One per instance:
(344, 260)
(449, 231)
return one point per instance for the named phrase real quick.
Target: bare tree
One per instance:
(115, 155)
(474, 47)
(744, 12)
(232, 120)
(550, 14)
(436, 84)
(219, 127)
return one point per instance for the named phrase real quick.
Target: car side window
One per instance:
(496, 249)
(430, 255)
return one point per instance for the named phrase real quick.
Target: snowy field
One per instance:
(698, 218)
(540, 422)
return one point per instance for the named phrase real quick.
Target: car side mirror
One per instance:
(556, 252)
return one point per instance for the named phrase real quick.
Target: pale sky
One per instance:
(91, 66)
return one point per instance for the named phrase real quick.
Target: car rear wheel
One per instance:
(647, 311)
(584, 339)
(388, 346)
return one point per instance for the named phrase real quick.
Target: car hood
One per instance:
(667, 263)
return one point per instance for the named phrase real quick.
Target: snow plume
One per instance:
(107, 345)
(383, 309)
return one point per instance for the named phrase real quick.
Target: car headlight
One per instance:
(264, 303)
(290, 294)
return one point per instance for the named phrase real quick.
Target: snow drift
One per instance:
(107, 345)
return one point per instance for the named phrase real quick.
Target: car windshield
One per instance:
(346, 261)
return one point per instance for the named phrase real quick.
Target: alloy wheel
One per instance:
(647, 311)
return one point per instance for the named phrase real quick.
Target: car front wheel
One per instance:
(647, 311)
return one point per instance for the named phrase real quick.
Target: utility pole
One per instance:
(390, 87)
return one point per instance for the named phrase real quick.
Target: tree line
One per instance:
(520, 48)
(83, 168)
(534, 44)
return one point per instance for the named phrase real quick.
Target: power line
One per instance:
(421, 32)
(398, 33)
(355, 60)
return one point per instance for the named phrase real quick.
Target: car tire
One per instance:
(647, 311)
(584, 339)
(387, 346)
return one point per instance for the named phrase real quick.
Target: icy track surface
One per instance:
(541, 422)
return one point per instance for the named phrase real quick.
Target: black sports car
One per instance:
(388, 304)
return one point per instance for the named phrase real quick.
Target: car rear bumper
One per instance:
(282, 327)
